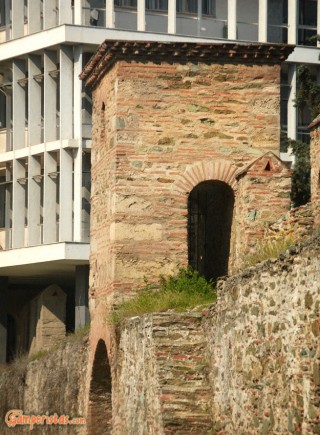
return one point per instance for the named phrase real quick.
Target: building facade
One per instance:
(45, 122)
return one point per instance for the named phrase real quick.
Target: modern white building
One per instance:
(45, 123)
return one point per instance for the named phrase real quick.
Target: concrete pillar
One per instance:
(50, 96)
(78, 12)
(110, 14)
(34, 100)
(263, 20)
(3, 318)
(65, 12)
(34, 200)
(18, 212)
(49, 14)
(199, 16)
(81, 297)
(19, 101)
(66, 87)
(172, 16)
(50, 202)
(292, 110)
(232, 19)
(77, 200)
(8, 18)
(141, 15)
(318, 21)
(292, 21)
(17, 18)
(34, 21)
(77, 93)
(65, 222)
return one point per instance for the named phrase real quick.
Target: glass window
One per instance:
(191, 6)
(278, 21)
(161, 5)
(307, 30)
(308, 12)
(126, 3)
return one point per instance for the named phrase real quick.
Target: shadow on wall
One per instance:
(100, 395)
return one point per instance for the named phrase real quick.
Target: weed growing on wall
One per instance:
(181, 292)
(273, 243)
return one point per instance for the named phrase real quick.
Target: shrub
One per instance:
(181, 292)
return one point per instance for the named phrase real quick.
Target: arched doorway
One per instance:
(210, 212)
(100, 396)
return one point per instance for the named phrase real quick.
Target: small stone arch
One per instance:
(218, 170)
(100, 393)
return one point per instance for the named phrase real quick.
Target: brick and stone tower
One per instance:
(178, 130)
(315, 170)
(184, 162)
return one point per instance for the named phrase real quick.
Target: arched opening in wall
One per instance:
(210, 212)
(100, 395)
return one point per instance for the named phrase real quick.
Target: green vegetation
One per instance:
(307, 97)
(272, 245)
(300, 191)
(308, 92)
(184, 291)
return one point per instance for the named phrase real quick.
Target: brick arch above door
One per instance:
(220, 170)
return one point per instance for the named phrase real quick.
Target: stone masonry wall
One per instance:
(164, 129)
(161, 385)
(47, 383)
(248, 365)
(315, 169)
(264, 349)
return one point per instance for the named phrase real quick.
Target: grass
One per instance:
(272, 245)
(187, 290)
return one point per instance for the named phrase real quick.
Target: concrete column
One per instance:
(50, 201)
(110, 14)
(34, 200)
(263, 20)
(3, 318)
(19, 101)
(199, 16)
(232, 19)
(77, 93)
(9, 138)
(50, 96)
(34, 21)
(18, 205)
(66, 91)
(81, 297)
(8, 18)
(49, 14)
(78, 12)
(172, 16)
(141, 15)
(17, 18)
(65, 12)
(34, 100)
(77, 200)
(318, 21)
(292, 110)
(292, 21)
(65, 222)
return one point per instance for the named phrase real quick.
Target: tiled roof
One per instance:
(110, 52)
